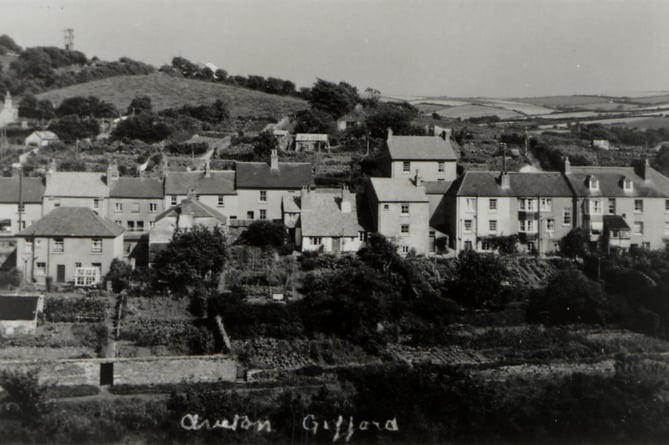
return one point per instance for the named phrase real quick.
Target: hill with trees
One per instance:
(167, 91)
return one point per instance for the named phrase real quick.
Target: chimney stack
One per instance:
(504, 181)
(418, 181)
(165, 168)
(390, 134)
(566, 169)
(53, 168)
(305, 198)
(112, 173)
(207, 169)
(645, 170)
(345, 203)
(274, 161)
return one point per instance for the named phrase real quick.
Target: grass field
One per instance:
(468, 111)
(564, 101)
(169, 92)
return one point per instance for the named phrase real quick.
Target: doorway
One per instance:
(60, 273)
(106, 374)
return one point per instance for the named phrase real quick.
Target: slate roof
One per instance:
(45, 135)
(258, 175)
(79, 222)
(397, 190)
(324, 217)
(13, 307)
(615, 222)
(76, 184)
(437, 187)
(137, 188)
(290, 203)
(611, 182)
(32, 190)
(420, 148)
(193, 208)
(486, 183)
(221, 182)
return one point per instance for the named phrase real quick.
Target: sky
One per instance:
(456, 48)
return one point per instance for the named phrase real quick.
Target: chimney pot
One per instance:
(274, 160)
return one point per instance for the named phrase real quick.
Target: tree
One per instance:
(36, 109)
(72, 127)
(146, 127)
(90, 106)
(479, 278)
(313, 121)
(264, 233)
(333, 99)
(25, 392)
(191, 257)
(576, 243)
(119, 275)
(140, 104)
(570, 297)
(661, 161)
(389, 116)
(264, 144)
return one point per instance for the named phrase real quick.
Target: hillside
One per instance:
(168, 92)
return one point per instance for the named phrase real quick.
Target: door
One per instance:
(336, 244)
(106, 374)
(60, 273)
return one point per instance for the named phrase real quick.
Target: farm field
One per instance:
(469, 111)
(529, 109)
(170, 92)
(610, 106)
(564, 101)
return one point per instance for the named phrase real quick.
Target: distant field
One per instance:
(609, 106)
(168, 92)
(439, 102)
(572, 115)
(643, 123)
(564, 101)
(468, 111)
(428, 108)
(529, 109)
(653, 100)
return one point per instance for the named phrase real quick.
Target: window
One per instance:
(56, 203)
(386, 207)
(527, 204)
(666, 227)
(173, 200)
(638, 206)
(118, 221)
(21, 224)
(527, 225)
(40, 268)
(596, 207)
(118, 207)
(468, 245)
(315, 240)
(468, 225)
(485, 245)
(638, 228)
(492, 225)
(550, 224)
(197, 197)
(546, 204)
(152, 224)
(612, 206)
(263, 195)
(58, 245)
(645, 245)
(96, 245)
(96, 204)
(28, 246)
(153, 207)
(492, 205)
(98, 266)
(405, 209)
(469, 203)
(361, 236)
(249, 214)
(21, 208)
(406, 167)
(566, 217)
(221, 201)
(404, 228)
(530, 246)
(77, 264)
(441, 167)
(593, 183)
(131, 226)
(666, 205)
(628, 185)
(405, 249)
(263, 214)
(135, 207)
(140, 226)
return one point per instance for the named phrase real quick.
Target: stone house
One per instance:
(20, 203)
(431, 157)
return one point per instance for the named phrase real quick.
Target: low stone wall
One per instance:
(131, 371)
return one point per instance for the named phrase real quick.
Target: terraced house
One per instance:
(431, 157)
(75, 189)
(622, 206)
(20, 203)
(485, 206)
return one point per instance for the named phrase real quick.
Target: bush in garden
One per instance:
(25, 392)
(119, 274)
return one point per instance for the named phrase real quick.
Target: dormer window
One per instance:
(628, 185)
(593, 184)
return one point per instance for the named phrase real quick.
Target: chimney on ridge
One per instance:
(274, 161)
